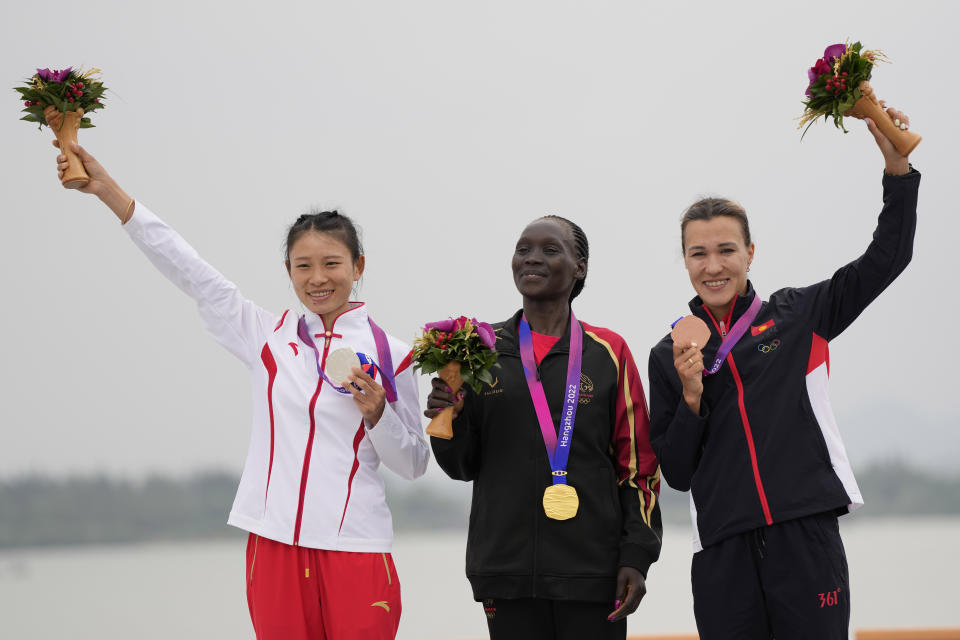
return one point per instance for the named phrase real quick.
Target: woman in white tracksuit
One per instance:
(318, 555)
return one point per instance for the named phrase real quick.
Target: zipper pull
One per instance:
(538, 372)
(723, 330)
(327, 337)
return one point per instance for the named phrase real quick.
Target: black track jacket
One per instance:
(513, 549)
(766, 447)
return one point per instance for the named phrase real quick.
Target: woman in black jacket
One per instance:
(755, 442)
(542, 569)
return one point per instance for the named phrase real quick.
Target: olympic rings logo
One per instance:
(767, 348)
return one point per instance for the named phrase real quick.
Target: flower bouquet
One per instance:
(59, 99)
(460, 351)
(839, 86)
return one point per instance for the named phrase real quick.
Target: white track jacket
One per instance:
(310, 478)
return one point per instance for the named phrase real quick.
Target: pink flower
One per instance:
(819, 68)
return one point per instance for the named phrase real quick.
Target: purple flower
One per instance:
(834, 51)
(484, 330)
(57, 75)
(443, 325)
(487, 336)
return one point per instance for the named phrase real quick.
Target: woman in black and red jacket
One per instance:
(756, 443)
(537, 576)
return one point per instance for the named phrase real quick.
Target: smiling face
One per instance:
(545, 263)
(717, 257)
(323, 272)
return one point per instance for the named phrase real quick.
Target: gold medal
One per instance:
(560, 502)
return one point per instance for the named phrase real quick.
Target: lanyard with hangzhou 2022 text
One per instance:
(560, 501)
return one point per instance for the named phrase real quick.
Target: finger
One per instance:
(633, 600)
(875, 130)
(687, 357)
(358, 375)
(622, 589)
(56, 143)
(623, 610)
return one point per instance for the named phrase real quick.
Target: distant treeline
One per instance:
(39, 511)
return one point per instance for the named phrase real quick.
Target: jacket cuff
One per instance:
(687, 416)
(909, 175)
(636, 556)
(139, 220)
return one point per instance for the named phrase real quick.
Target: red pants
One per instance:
(296, 593)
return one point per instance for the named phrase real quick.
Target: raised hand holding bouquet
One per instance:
(459, 351)
(839, 86)
(59, 99)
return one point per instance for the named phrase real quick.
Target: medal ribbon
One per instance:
(383, 353)
(733, 337)
(558, 450)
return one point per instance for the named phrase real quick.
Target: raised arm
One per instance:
(835, 303)
(235, 322)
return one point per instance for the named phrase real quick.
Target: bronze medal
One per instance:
(560, 502)
(691, 329)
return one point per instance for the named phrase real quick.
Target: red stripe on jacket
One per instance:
(270, 363)
(819, 354)
(636, 463)
(357, 439)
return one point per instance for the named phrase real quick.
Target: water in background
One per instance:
(902, 574)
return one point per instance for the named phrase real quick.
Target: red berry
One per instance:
(70, 99)
(844, 74)
(80, 84)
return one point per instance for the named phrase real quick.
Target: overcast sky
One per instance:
(444, 127)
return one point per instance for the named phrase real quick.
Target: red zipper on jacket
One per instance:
(327, 335)
(743, 415)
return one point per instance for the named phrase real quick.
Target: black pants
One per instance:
(786, 581)
(539, 619)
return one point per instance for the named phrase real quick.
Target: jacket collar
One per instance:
(353, 318)
(741, 304)
(508, 340)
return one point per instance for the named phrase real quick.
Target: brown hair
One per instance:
(709, 208)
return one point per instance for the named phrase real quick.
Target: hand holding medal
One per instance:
(354, 374)
(459, 351)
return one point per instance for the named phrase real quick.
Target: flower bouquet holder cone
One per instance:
(868, 106)
(65, 127)
(441, 426)
(838, 86)
(460, 351)
(63, 100)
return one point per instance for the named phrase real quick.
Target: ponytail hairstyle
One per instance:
(580, 245)
(331, 222)
(709, 208)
